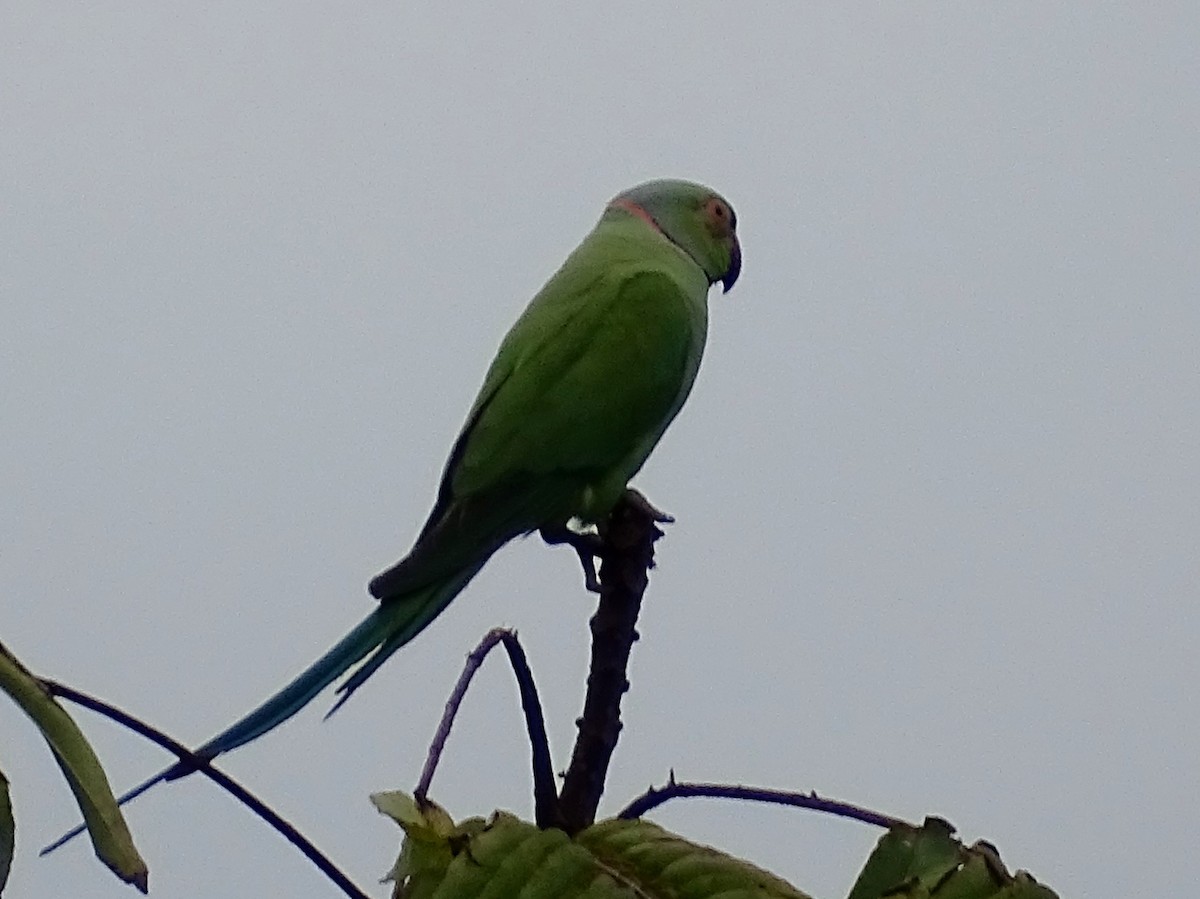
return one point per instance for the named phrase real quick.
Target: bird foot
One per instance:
(589, 546)
(586, 545)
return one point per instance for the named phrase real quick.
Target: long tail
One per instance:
(394, 623)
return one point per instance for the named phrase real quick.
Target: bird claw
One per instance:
(587, 547)
(591, 582)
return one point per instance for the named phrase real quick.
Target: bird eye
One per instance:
(721, 214)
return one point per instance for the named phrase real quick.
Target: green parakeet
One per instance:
(580, 391)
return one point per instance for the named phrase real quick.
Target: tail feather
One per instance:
(368, 634)
(394, 623)
(128, 796)
(431, 606)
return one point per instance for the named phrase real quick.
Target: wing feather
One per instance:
(581, 389)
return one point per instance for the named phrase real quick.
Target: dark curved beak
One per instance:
(735, 266)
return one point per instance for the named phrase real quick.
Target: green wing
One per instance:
(580, 391)
(586, 402)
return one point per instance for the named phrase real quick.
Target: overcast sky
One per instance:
(936, 487)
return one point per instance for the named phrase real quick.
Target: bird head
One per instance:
(695, 218)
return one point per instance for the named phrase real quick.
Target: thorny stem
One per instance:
(628, 554)
(655, 797)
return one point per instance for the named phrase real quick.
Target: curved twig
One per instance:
(654, 797)
(287, 830)
(545, 793)
(474, 659)
(545, 789)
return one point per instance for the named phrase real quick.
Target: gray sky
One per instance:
(936, 486)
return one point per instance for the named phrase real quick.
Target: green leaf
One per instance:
(505, 857)
(928, 863)
(8, 832)
(106, 826)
